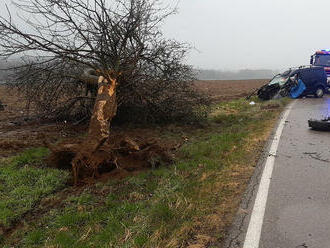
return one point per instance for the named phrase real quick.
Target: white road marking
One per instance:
(254, 230)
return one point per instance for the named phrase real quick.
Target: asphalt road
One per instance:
(297, 213)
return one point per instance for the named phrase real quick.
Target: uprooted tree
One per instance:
(112, 55)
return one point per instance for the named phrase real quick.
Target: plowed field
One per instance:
(221, 90)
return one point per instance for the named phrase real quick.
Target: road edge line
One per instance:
(253, 234)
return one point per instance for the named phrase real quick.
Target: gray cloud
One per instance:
(248, 34)
(239, 34)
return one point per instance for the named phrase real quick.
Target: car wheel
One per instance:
(319, 92)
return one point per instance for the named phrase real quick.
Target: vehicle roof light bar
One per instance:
(323, 51)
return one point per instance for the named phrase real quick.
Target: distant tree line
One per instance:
(203, 74)
(4, 73)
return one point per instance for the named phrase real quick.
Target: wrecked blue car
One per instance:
(295, 83)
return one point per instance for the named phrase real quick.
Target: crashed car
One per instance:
(296, 82)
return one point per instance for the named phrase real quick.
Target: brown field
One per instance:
(18, 131)
(222, 90)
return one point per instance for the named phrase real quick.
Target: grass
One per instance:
(188, 203)
(24, 183)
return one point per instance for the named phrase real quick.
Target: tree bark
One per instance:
(105, 109)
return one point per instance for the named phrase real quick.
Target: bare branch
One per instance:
(61, 39)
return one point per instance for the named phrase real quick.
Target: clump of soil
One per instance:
(271, 106)
(118, 156)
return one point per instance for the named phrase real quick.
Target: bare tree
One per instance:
(130, 65)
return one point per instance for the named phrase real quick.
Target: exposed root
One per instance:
(121, 153)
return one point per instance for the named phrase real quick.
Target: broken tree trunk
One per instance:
(105, 109)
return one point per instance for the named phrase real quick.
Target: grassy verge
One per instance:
(189, 204)
(23, 184)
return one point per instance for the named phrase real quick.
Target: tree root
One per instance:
(121, 153)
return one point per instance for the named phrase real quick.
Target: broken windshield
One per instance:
(280, 79)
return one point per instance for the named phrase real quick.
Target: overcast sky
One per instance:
(253, 34)
(249, 34)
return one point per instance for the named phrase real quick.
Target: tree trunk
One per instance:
(105, 109)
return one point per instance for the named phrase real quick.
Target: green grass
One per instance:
(164, 207)
(24, 183)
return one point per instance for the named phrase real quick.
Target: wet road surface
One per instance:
(297, 213)
(298, 206)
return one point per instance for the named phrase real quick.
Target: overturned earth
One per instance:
(119, 156)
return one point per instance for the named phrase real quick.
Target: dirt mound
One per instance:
(118, 156)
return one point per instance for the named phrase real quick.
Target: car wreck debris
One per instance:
(320, 125)
(275, 90)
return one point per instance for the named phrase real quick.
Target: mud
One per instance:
(119, 156)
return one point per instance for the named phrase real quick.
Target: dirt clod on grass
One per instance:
(271, 106)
